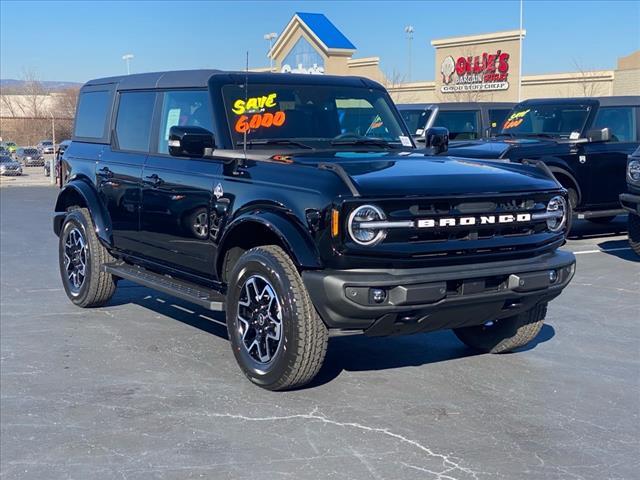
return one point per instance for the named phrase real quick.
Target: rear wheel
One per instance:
(634, 232)
(80, 257)
(506, 334)
(277, 337)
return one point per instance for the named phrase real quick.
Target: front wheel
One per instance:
(506, 334)
(634, 232)
(277, 337)
(80, 257)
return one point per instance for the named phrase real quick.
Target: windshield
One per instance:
(561, 121)
(46, 144)
(30, 151)
(312, 115)
(416, 120)
(4, 159)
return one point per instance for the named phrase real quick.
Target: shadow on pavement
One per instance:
(349, 353)
(620, 249)
(584, 229)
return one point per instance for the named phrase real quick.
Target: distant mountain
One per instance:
(48, 84)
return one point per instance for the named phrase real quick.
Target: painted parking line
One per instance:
(599, 250)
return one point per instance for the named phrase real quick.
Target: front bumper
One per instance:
(425, 299)
(630, 202)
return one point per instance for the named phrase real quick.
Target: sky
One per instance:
(80, 40)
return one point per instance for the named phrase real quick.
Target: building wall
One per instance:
(627, 79)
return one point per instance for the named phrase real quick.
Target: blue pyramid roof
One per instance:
(325, 30)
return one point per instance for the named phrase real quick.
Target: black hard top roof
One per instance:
(200, 78)
(620, 101)
(454, 105)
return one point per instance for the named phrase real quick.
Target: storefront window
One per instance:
(303, 58)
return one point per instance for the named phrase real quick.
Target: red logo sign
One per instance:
(485, 72)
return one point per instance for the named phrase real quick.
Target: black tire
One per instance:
(634, 232)
(96, 287)
(303, 337)
(506, 334)
(572, 194)
(601, 220)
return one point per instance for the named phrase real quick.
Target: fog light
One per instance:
(553, 276)
(378, 295)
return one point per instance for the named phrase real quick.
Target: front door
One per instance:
(607, 161)
(119, 170)
(178, 192)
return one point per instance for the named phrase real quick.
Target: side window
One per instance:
(620, 121)
(133, 124)
(462, 125)
(496, 119)
(91, 117)
(183, 107)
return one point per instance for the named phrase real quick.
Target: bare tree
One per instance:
(589, 84)
(393, 85)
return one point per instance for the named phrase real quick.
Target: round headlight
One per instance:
(557, 208)
(633, 171)
(358, 230)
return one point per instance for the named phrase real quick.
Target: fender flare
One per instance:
(563, 171)
(89, 196)
(297, 243)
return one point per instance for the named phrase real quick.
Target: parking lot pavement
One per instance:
(31, 176)
(147, 387)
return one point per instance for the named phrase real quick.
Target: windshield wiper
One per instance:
(378, 142)
(543, 135)
(275, 141)
(506, 134)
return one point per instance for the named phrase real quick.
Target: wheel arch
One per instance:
(566, 178)
(80, 192)
(255, 229)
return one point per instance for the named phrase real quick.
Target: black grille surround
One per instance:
(444, 244)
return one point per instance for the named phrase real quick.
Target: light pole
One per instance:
(52, 160)
(409, 31)
(127, 57)
(270, 37)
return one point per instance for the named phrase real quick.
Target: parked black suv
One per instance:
(464, 120)
(630, 200)
(585, 142)
(299, 206)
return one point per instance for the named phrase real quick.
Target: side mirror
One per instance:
(189, 141)
(438, 139)
(599, 135)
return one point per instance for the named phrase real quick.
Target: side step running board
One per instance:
(191, 292)
(600, 213)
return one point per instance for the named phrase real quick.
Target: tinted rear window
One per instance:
(91, 117)
(133, 124)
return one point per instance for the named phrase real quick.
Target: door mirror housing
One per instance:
(599, 135)
(437, 138)
(190, 141)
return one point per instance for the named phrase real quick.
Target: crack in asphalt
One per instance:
(447, 460)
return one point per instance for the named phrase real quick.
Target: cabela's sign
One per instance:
(486, 72)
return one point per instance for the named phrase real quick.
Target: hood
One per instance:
(401, 174)
(495, 148)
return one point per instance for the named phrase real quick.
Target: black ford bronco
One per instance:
(630, 200)
(299, 205)
(585, 142)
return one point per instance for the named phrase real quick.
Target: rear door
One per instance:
(177, 192)
(607, 161)
(119, 170)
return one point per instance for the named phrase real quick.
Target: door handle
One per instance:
(154, 179)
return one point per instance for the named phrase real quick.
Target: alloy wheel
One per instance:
(260, 319)
(75, 259)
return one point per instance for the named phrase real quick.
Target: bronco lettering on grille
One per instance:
(468, 221)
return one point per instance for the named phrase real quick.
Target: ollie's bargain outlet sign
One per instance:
(485, 72)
